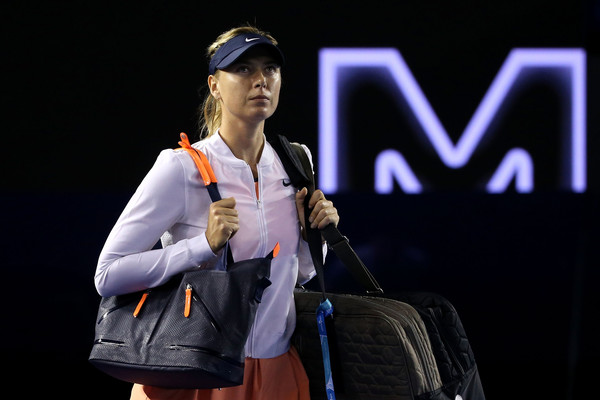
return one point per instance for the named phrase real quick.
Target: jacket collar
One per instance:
(225, 154)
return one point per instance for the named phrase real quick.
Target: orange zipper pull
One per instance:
(188, 301)
(140, 304)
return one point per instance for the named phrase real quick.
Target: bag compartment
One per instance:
(379, 349)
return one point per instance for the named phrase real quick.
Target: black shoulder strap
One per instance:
(301, 176)
(299, 169)
(292, 162)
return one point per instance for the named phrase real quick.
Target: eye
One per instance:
(272, 68)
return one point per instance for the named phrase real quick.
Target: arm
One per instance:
(127, 262)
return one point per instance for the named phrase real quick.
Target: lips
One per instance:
(259, 97)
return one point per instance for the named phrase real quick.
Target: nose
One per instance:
(260, 80)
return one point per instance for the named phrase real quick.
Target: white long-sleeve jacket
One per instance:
(173, 200)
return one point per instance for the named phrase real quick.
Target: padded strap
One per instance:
(336, 241)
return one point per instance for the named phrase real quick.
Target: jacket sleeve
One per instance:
(128, 262)
(306, 268)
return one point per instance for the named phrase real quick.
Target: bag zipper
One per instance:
(189, 296)
(138, 308)
(188, 301)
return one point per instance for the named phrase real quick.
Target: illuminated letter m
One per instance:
(391, 167)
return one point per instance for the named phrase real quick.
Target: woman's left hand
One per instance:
(322, 212)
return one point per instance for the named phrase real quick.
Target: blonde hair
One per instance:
(210, 111)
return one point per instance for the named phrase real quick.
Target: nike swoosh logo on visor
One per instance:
(251, 39)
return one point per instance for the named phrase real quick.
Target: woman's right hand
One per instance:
(223, 223)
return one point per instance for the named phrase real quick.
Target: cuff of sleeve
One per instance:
(199, 250)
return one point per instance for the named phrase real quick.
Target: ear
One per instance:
(213, 86)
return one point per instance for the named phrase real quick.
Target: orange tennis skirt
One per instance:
(281, 378)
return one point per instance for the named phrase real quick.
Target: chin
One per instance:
(263, 115)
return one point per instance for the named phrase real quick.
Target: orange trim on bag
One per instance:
(276, 250)
(185, 142)
(188, 301)
(140, 304)
(200, 159)
(206, 164)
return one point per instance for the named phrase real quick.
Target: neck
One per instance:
(246, 142)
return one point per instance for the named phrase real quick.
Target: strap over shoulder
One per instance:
(299, 169)
(200, 160)
(295, 161)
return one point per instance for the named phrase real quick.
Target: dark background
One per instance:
(92, 91)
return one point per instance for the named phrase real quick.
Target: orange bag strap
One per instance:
(210, 180)
(206, 171)
(208, 176)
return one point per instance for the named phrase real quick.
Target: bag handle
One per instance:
(208, 177)
(298, 166)
(206, 172)
(338, 242)
(210, 181)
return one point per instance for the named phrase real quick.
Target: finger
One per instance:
(325, 216)
(314, 199)
(223, 207)
(234, 229)
(228, 202)
(315, 203)
(220, 230)
(300, 196)
(229, 228)
(223, 211)
(320, 204)
(223, 223)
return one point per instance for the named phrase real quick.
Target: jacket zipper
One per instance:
(262, 240)
(261, 216)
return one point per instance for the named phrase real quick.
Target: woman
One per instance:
(257, 210)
